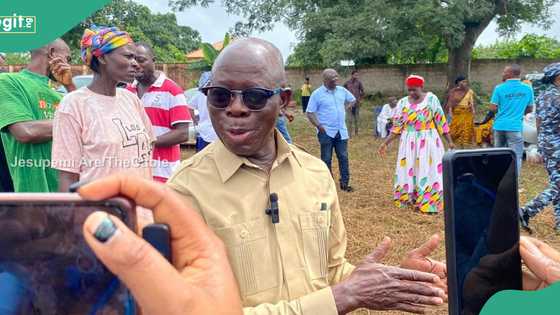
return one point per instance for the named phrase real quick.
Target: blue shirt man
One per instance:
(511, 100)
(330, 108)
(327, 112)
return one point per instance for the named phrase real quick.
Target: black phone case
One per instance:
(119, 207)
(158, 236)
(450, 241)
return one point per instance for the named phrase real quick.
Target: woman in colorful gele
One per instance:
(100, 129)
(419, 122)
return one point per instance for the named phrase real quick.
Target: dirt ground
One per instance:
(369, 213)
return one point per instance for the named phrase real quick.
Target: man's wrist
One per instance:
(343, 298)
(70, 87)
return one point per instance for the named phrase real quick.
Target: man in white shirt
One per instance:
(206, 133)
(384, 119)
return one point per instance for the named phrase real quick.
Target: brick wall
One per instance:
(383, 79)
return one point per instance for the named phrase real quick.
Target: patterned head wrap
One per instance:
(415, 81)
(551, 72)
(99, 41)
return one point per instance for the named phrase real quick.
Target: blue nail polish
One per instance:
(75, 186)
(105, 230)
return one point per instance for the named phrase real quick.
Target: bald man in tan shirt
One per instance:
(293, 264)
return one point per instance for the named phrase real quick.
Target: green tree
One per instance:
(408, 30)
(17, 58)
(530, 46)
(209, 54)
(170, 41)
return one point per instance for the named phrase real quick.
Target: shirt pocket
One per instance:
(250, 257)
(340, 100)
(315, 233)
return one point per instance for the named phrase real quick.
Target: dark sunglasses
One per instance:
(254, 98)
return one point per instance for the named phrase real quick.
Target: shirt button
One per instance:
(320, 220)
(244, 234)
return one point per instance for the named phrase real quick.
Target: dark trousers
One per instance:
(551, 195)
(353, 119)
(304, 102)
(341, 148)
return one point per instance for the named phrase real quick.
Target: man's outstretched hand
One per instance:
(418, 259)
(375, 286)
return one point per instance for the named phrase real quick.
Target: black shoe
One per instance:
(346, 188)
(524, 219)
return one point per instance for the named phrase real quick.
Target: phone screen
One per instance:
(486, 228)
(47, 268)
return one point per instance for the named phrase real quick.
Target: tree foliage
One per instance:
(384, 30)
(209, 54)
(530, 46)
(170, 41)
(17, 58)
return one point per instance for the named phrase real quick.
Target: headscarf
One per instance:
(205, 78)
(551, 72)
(415, 81)
(99, 41)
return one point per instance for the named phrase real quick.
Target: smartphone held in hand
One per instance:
(481, 227)
(46, 267)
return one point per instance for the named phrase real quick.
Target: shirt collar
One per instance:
(228, 163)
(326, 90)
(158, 83)
(35, 76)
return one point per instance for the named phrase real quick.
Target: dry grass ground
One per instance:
(369, 213)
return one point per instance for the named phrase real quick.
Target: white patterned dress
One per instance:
(418, 176)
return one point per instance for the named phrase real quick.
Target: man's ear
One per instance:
(286, 97)
(50, 52)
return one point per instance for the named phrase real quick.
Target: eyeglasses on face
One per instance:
(254, 98)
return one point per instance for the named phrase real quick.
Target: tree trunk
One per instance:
(459, 62)
(460, 57)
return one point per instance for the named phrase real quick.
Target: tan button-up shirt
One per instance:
(283, 268)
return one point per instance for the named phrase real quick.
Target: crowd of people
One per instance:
(256, 225)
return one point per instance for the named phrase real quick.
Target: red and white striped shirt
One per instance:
(166, 106)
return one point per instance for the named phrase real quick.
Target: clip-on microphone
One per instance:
(273, 211)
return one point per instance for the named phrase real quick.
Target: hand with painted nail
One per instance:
(542, 261)
(199, 280)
